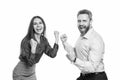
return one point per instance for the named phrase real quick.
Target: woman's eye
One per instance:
(40, 22)
(34, 23)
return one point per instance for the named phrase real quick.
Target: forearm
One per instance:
(84, 65)
(68, 47)
(54, 50)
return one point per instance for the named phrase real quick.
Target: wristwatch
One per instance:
(74, 60)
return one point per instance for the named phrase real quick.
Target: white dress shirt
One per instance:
(88, 50)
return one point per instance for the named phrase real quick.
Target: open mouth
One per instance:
(39, 29)
(82, 27)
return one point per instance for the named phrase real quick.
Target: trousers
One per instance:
(93, 76)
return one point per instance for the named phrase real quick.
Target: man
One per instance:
(88, 52)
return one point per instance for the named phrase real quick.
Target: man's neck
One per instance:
(82, 34)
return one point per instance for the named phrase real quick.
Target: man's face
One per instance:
(83, 23)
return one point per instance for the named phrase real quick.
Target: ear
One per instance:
(91, 22)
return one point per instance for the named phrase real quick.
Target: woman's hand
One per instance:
(56, 34)
(33, 44)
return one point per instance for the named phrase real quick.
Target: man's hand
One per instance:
(63, 38)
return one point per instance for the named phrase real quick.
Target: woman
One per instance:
(32, 48)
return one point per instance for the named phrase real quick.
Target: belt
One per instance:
(28, 75)
(95, 73)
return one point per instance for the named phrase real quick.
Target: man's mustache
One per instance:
(81, 26)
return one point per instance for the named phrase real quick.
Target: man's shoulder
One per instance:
(96, 34)
(97, 37)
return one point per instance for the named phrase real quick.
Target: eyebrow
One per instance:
(84, 20)
(79, 20)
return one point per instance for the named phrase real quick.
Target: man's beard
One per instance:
(84, 27)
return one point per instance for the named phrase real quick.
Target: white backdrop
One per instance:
(15, 16)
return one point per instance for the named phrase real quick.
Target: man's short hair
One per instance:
(85, 11)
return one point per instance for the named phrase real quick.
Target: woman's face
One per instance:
(38, 26)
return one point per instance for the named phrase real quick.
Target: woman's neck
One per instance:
(37, 37)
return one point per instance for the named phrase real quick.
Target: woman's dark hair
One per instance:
(31, 31)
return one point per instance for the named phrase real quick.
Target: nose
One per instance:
(38, 25)
(81, 23)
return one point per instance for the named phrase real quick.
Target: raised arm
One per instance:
(26, 55)
(66, 45)
(52, 52)
(94, 58)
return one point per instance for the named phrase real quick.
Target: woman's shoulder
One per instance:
(25, 41)
(43, 38)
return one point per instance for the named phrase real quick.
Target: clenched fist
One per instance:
(33, 44)
(63, 38)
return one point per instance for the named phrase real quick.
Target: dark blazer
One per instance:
(42, 47)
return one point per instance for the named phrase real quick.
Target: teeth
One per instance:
(39, 29)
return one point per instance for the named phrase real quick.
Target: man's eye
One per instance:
(85, 20)
(79, 20)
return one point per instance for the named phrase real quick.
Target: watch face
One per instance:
(74, 60)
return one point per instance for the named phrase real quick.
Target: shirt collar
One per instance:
(88, 33)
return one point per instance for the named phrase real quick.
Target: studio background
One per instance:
(60, 15)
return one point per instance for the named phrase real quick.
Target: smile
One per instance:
(39, 29)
